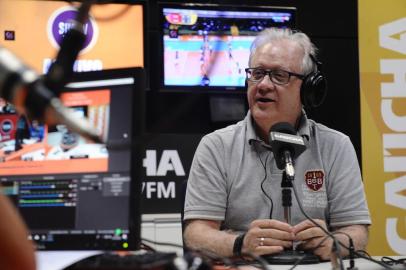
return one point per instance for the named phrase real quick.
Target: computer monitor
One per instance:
(205, 47)
(34, 29)
(71, 192)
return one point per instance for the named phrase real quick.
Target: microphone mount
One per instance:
(286, 146)
(38, 96)
(289, 169)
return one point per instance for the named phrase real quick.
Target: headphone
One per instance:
(314, 87)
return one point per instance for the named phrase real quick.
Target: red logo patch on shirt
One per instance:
(314, 179)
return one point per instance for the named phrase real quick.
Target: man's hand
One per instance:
(314, 238)
(267, 236)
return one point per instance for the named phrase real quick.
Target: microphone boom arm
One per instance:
(22, 87)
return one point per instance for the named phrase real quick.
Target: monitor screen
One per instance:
(206, 47)
(34, 31)
(71, 192)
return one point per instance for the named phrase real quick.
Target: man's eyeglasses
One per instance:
(277, 76)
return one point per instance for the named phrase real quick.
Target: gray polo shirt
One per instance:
(231, 163)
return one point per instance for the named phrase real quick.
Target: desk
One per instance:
(361, 264)
(57, 260)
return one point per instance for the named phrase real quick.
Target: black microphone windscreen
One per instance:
(61, 70)
(283, 127)
(283, 138)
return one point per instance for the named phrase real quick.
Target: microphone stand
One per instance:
(287, 177)
(290, 256)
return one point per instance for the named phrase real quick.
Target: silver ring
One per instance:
(261, 241)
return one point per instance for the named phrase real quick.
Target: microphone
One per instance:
(22, 87)
(61, 70)
(286, 146)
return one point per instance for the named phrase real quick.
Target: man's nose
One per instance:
(266, 83)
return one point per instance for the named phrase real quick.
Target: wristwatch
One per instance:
(238, 245)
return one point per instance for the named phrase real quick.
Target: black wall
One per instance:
(332, 26)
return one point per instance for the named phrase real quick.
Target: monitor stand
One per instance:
(291, 257)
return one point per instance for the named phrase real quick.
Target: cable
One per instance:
(162, 243)
(359, 254)
(189, 261)
(209, 255)
(212, 257)
(390, 261)
(297, 262)
(318, 225)
(332, 236)
(263, 180)
(336, 248)
(147, 247)
(362, 252)
(124, 10)
(351, 250)
(369, 258)
(386, 261)
(312, 250)
(262, 263)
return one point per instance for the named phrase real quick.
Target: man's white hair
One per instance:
(270, 35)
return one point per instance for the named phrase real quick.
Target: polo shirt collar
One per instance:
(304, 126)
(251, 134)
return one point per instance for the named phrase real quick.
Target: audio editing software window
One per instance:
(71, 192)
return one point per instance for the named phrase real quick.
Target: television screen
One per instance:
(206, 47)
(34, 30)
(74, 193)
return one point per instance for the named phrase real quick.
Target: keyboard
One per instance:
(127, 261)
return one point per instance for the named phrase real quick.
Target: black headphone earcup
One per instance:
(313, 90)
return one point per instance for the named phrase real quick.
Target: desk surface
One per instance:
(57, 260)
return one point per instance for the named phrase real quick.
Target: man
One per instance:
(233, 198)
